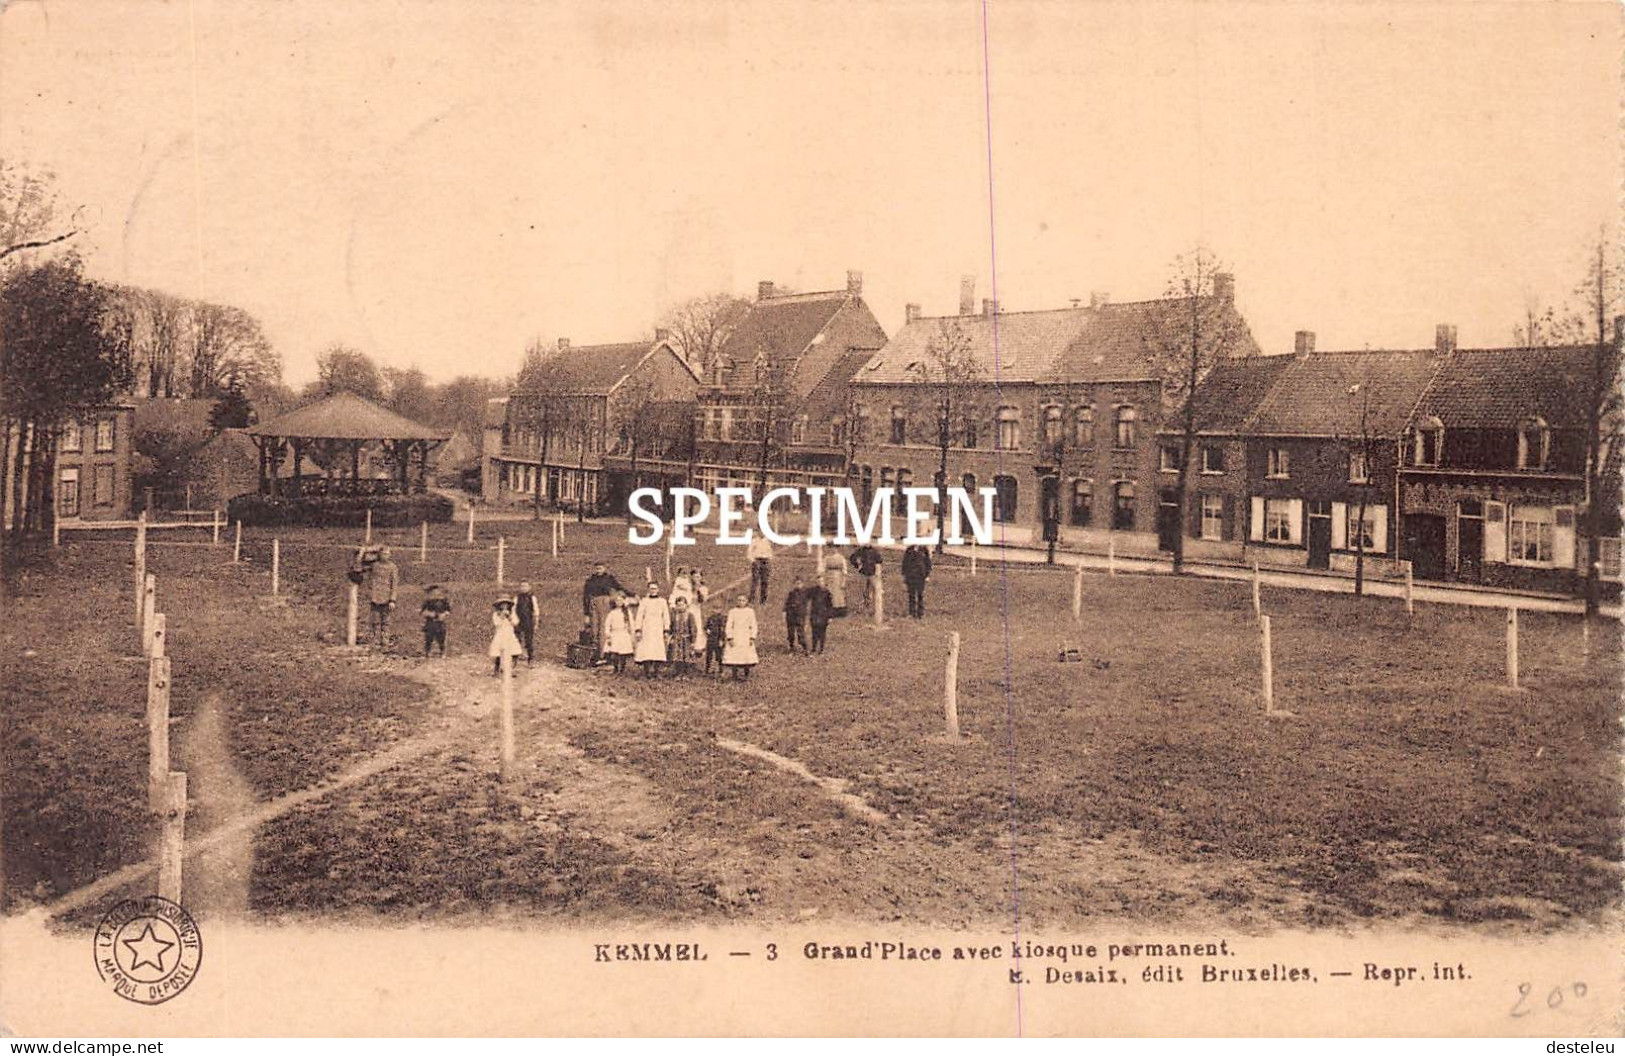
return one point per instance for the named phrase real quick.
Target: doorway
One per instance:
(1424, 544)
(1470, 541)
(1320, 534)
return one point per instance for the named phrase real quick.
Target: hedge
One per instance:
(340, 511)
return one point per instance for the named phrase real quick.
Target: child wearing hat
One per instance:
(435, 611)
(504, 642)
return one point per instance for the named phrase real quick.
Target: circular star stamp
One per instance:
(148, 949)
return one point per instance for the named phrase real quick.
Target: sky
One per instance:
(438, 183)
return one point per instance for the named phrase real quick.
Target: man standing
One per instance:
(866, 561)
(596, 595)
(916, 570)
(524, 610)
(760, 552)
(383, 578)
(795, 617)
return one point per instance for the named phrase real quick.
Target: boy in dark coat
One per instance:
(916, 570)
(435, 611)
(716, 633)
(795, 616)
(820, 610)
(524, 610)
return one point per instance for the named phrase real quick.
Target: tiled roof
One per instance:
(1495, 388)
(1113, 343)
(828, 397)
(1324, 394)
(345, 416)
(1233, 390)
(586, 370)
(1103, 343)
(781, 329)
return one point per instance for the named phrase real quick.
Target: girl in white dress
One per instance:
(618, 634)
(504, 642)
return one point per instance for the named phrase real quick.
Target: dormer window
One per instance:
(1534, 443)
(1428, 446)
(798, 429)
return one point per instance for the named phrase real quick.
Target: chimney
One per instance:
(764, 289)
(1099, 298)
(662, 334)
(854, 283)
(990, 306)
(564, 343)
(1224, 286)
(911, 313)
(1444, 339)
(1303, 342)
(967, 295)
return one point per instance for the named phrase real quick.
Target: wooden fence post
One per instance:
(502, 560)
(1258, 601)
(818, 556)
(880, 599)
(350, 614)
(141, 574)
(471, 522)
(157, 733)
(1269, 665)
(368, 540)
(173, 851)
(237, 545)
(1077, 592)
(1410, 600)
(973, 549)
(149, 606)
(158, 642)
(1512, 647)
(276, 567)
(215, 528)
(507, 717)
(950, 687)
(1111, 555)
(423, 543)
(555, 537)
(56, 529)
(668, 559)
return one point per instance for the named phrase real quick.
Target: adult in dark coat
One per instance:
(596, 595)
(866, 561)
(916, 570)
(820, 610)
(524, 610)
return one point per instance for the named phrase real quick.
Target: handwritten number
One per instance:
(772, 951)
(1523, 994)
(1554, 999)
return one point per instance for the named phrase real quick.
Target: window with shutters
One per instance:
(1212, 516)
(1278, 520)
(1083, 502)
(1279, 463)
(1361, 535)
(1529, 535)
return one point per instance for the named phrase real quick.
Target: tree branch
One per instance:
(36, 244)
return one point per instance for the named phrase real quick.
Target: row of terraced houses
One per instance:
(1470, 464)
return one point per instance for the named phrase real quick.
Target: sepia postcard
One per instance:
(921, 517)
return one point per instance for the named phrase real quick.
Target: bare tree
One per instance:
(168, 324)
(950, 376)
(1602, 291)
(28, 210)
(1198, 328)
(702, 325)
(766, 426)
(635, 420)
(228, 342)
(340, 368)
(1362, 445)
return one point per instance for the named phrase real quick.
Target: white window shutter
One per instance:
(1255, 528)
(1563, 536)
(1340, 525)
(1295, 521)
(1379, 528)
(1495, 532)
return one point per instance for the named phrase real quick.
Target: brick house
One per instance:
(771, 404)
(1066, 410)
(1493, 481)
(559, 433)
(1323, 440)
(95, 461)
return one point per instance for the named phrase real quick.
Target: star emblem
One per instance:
(148, 949)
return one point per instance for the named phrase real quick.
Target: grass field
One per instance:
(1144, 781)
